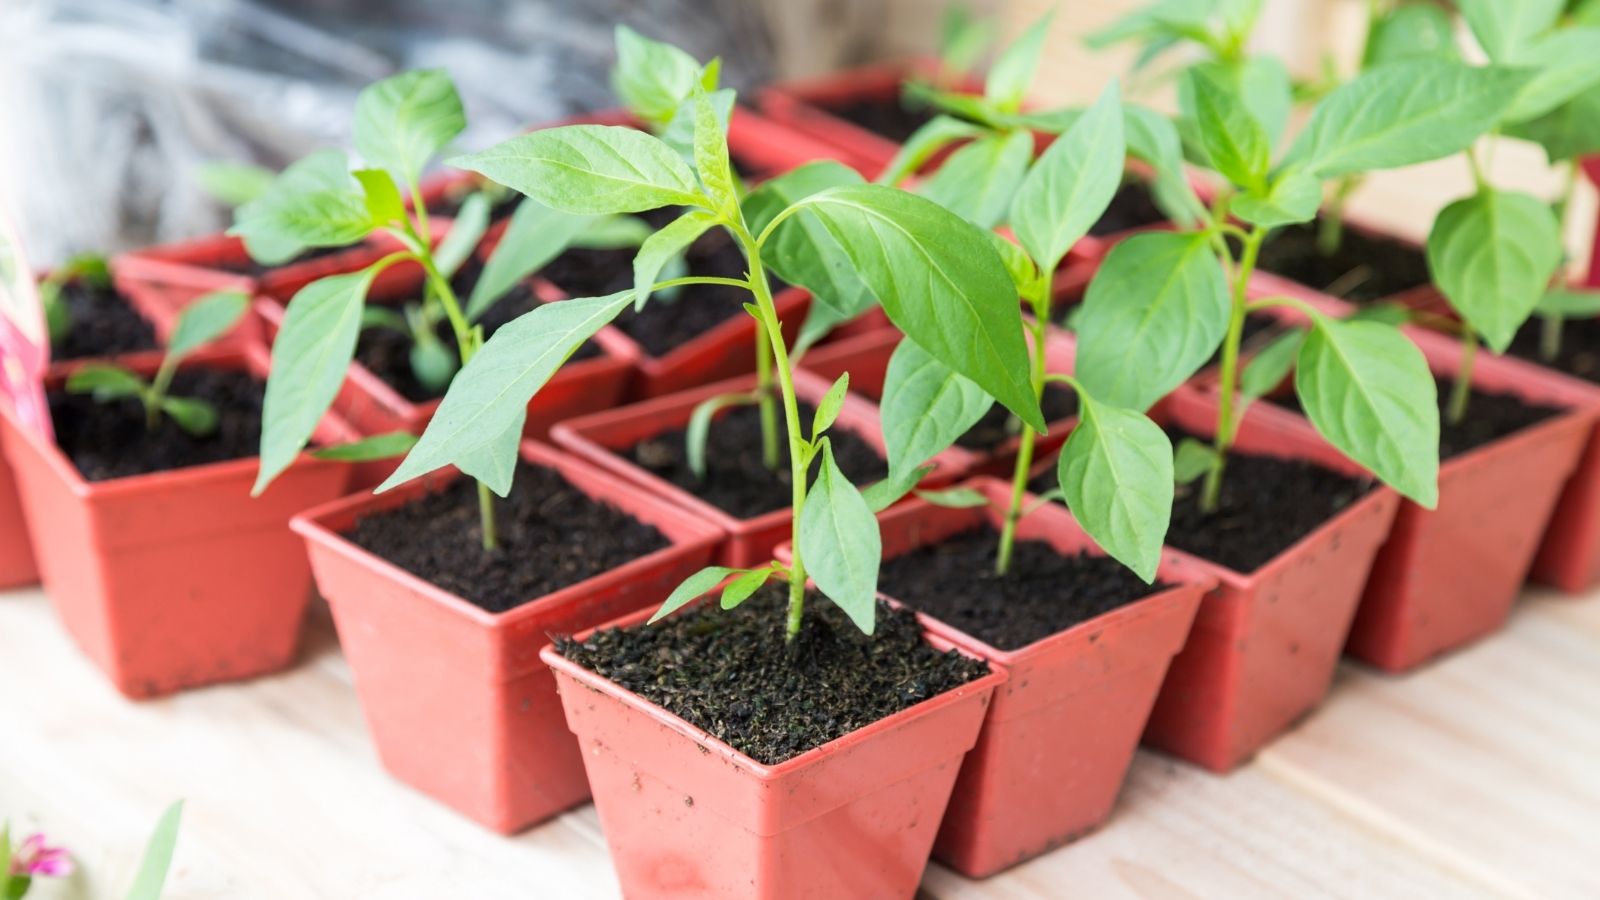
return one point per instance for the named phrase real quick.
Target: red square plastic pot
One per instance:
(175, 274)
(174, 579)
(456, 698)
(17, 567)
(686, 815)
(1265, 644)
(1061, 732)
(603, 438)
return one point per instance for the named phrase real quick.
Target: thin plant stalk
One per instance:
(1552, 323)
(1227, 426)
(764, 398)
(1038, 329)
(1461, 390)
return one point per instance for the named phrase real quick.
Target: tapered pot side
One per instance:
(174, 579)
(686, 815)
(17, 566)
(1265, 644)
(1059, 737)
(175, 274)
(457, 700)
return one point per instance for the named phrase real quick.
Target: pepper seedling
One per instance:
(90, 269)
(938, 277)
(205, 320)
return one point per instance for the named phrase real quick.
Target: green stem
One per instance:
(1019, 474)
(1550, 336)
(1461, 391)
(1229, 377)
(764, 399)
(1330, 231)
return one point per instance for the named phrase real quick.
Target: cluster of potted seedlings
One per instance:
(659, 456)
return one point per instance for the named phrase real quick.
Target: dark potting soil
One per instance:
(665, 322)
(1045, 591)
(1365, 268)
(387, 352)
(1490, 417)
(1267, 504)
(111, 440)
(1579, 354)
(998, 423)
(248, 266)
(737, 481)
(551, 536)
(1133, 206)
(895, 118)
(104, 323)
(449, 206)
(731, 673)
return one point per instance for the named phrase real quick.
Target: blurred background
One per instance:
(107, 107)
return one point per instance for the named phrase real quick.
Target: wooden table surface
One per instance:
(1477, 776)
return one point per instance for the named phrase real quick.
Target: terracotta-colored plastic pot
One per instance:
(1591, 167)
(17, 567)
(603, 438)
(174, 579)
(686, 815)
(1266, 643)
(456, 698)
(174, 274)
(1061, 732)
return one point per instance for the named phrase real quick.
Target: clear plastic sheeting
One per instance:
(107, 107)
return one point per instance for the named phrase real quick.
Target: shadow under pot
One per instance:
(162, 567)
(443, 637)
(815, 772)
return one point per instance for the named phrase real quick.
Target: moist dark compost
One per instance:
(1132, 206)
(1364, 268)
(890, 117)
(1578, 355)
(999, 424)
(104, 323)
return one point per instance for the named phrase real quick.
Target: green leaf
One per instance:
(614, 232)
(382, 196)
(883, 494)
(1025, 276)
(535, 236)
(315, 202)
(1268, 368)
(589, 169)
(465, 232)
(105, 382)
(940, 282)
(6, 880)
(1193, 459)
(963, 39)
(827, 411)
(679, 133)
(711, 154)
(664, 246)
(1116, 473)
(1389, 313)
(1293, 197)
(925, 407)
(1492, 254)
(205, 320)
(699, 427)
(1402, 114)
(955, 498)
(1565, 63)
(1236, 144)
(1154, 313)
(379, 446)
(310, 356)
(1505, 30)
(1368, 390)
(491, 392)
(383, 317)
(936, 134)
(979, 181)
(839, 541)
(1572, 302)
(432, 362)
(1154, 139)
(1566, 132)
(152, 875)
(403, 121)
(740, 589)
(494, 462)
(651, 77)
(195, 416)
(233, 183)
(801, 250)
(1409, 31)
(1267, 91)
(1007, 85)
(691, 589)
(1071, 185)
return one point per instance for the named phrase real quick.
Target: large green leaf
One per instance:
(1368, 390)
(1568, 131)
(925, 407)
(309, 359)
(401, 122)
(590, 169)
(1009, 77)
(492, 391)
(801, 251)
(466, 229)
(840, 544)
(1292, 197)
(651, 77)
(1153, 138)
(1504, 28)
(711, 154)
(1267, 90)
(494, 462)
(940, 281)
(315, 202)
(979, 181)
(937, 133)
(1116, 474)
(536, 235)
(205, 320)
(1404, 113)
(1235, 142)
(1073, 182)
(1492, 254)
(1565, 63)
(679, 133)
(1408, 31)
(1155, 312)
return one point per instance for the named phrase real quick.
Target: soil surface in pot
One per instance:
(731, 673)
(552, 536)
(1131, 207)
(1490, 417)
(1267, 504)
(999, 424)
(892, 117)
(1044, 593)
(104, 323)
(449, 206)
(387, 352)
(111, 440)
(248, 266)
(665, 322)
(737, 482)
(1364, 268)
(1579, 355)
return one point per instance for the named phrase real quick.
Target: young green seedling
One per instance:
(204, 321)
(89, 269)
(937, 276)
